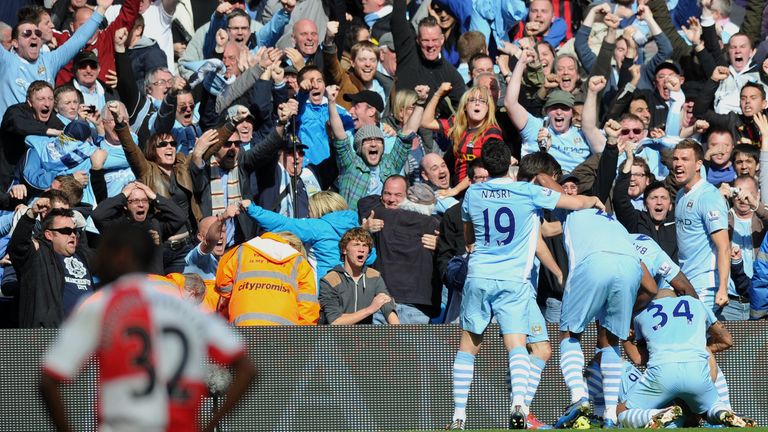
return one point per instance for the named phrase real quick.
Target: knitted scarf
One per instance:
(218, 204)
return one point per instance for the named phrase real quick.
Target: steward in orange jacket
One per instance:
(267, 282)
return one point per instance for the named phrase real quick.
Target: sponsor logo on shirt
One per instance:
(713, 215)
(689, 205)
(546, 191)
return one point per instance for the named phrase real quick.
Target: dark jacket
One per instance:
(248, 162)
(450, 242)
(743, 128)
(339, 294)
(405, 264)
(382, 26)
(18, 122)
(145, 56)
(640, 222)
(41, 276)
(413, 69)
(268, 196)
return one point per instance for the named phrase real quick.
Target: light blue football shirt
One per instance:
(675, 330)
(659, 264)
(506, 224)
(569, 148)
(699, 213)
(589, 231)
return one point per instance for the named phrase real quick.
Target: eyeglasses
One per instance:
(168, 82)
(163, 144)
(138, 201)
(229, 144)
(636, 131)
(477, 100)
(67, 231)
(26, 34)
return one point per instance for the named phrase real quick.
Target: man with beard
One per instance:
(741, 125)
(140, 205)
(33, 117)
(364, 169)
(656, 220)
(224, 180)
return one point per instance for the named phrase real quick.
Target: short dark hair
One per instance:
(476, 57)
(71, 188)
(428, 21)
(496, 157)
(751, 84)
(53, 214)
(121, 241)
(537, 163)
(748, 150)
(32, 13)
(691, 144)
(350, 37)
(15, 31)
(357, 233)
(239, 13)
(474, 164)
(305, 70)
(36, 86)
(652, 187)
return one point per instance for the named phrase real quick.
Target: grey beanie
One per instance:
(421, 194)
(367, 132)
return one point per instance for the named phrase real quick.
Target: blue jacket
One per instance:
(758, 294)
(16, 74)
(322, 234)
(311, 128)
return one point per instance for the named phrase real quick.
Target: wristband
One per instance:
(420, 103)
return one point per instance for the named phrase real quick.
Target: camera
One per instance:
(91, 109)
(734, 191)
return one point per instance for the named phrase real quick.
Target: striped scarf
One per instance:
(218, 204)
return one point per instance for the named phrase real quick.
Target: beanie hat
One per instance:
(421, 194)
(367, 132)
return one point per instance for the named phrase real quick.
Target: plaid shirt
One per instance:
(355, 174)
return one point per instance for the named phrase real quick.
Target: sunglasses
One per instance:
(26, 34)
(163, 144)
(231, 144)
(65, 231)
(636, 131)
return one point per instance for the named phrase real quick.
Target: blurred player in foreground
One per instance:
(150, 345)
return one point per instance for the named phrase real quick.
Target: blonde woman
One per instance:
(329, 218)
(473, 124)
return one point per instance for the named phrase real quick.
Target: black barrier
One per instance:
(361, 378)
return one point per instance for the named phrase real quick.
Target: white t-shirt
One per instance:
(157, 26)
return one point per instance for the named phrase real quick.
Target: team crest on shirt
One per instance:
(536, 329)
(546, 191)
(713, 215)
(75, 267)
(41, 70)
(664, 269)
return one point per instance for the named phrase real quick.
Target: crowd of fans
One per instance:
(304, 161)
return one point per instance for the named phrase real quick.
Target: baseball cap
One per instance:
(387, 41)
(78, 130)
(367, 132)
(287, 144)
(560, 97)
(368, 96)
(567, 177)
(669, 64)
(290, 70)
(85, 57)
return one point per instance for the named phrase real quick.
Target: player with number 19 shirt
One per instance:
(151, 347)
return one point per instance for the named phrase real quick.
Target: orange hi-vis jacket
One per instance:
(267, 282)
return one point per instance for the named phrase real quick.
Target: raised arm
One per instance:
(589, 125)
(428, 120)
(517, 113)
(334, 119)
